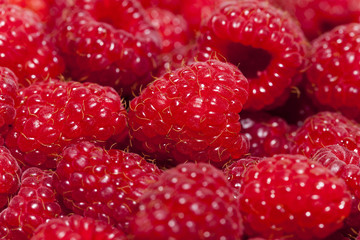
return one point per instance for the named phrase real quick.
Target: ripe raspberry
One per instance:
(289, 196)
(33, 205)
(9, 176)
(8, 93)
(26, 49)
(264, 42)
(323, 129)
(53, 114)
(190, 201)
(317, 17)
(235, 171)
(109, 42)
(268, 135)
(334, 76)
(103, 184)
(76, 227)
(191, 114)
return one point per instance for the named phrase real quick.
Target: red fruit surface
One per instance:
(291, 197)
(334, 75)
(109, 42)
(190, 201)
(54, 114)
(191, 114)
(33, 205)
(317, 17)
(10, 173)
(76, 227)
(35, 57)
(323, 129)
(268, 135)
(103, 184)
(263, 41)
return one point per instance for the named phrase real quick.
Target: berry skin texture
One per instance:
(190, 201)
(323, 129)
(103, 184)
(8, 93)
(333, 77)
(10, 173)
(35, 57)
(191, 114)
(111, 43)
(33, 205)
(54, 114)
(76, 227)
(292, 197)
(268, 135)
(263, 41)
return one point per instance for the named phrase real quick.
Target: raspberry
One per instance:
(323, 129)
(190, 201)
(289, 196)
(109, 42)
(317, 17)
(268, 135)
(264, 42)
(33, 205)
(53, 114)
(8, 93)
(76, 227)
(333, 77)
(26, 49)
(191, 114)
(102, 184)
(9, 176)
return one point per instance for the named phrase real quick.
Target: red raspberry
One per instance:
(33, 205)
(317, 17)
(173, 28)
(268, 135)
(102, 184)
(9, 176)
(323, 129)
(171, 5)
(191, 114)
(289, 196)
(109, 42)
(76, 227)
(190, 201)
(8, 93)
(264, 42)
(25, 47)
(53, 114)
(334, 74)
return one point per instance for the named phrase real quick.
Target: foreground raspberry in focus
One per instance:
(264, 42)
(190, 201)
(54, 114)
(33, 205)
(292, 197)
(76, 227)
(103, 184)
(333, 77)
(26, 49)
(323, 129)
(111, 43)
(191, 114)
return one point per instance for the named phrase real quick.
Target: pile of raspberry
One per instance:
(180, 119)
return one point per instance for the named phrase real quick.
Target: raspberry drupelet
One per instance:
(263, 41)
(191, 114)
(110, 42)
(54, 114)
(103, 184)
(190, 201)
(288, 196)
